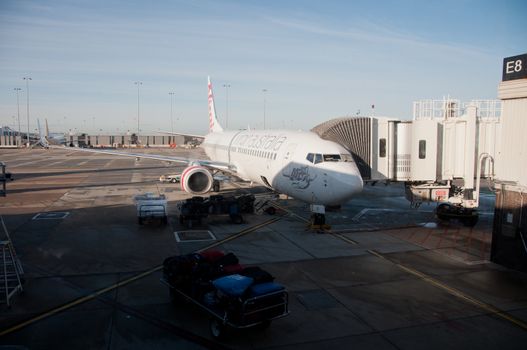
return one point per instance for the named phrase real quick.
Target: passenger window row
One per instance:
(257, 153)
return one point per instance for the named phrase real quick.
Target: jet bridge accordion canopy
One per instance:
(354, 134)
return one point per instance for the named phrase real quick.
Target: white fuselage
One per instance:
(297, 163)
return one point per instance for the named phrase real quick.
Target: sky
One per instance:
(316, 60)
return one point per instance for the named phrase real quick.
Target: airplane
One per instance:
(47, 139)
(55, 138)
(298, 164)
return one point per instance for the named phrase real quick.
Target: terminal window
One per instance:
(422, 149)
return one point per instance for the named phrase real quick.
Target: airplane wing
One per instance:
(181, 134)
(203, 162)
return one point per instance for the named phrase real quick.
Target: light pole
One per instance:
(27, 79)
(227, 86)
(264, 95)
(171, 103)
(138, 83)
(18, 112)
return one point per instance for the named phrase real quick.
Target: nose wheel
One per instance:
(318, 219)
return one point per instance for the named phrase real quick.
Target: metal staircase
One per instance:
(11, 271)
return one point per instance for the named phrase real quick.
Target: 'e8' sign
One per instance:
(514, 67)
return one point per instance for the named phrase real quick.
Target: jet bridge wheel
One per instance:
(468, 217)
(470, 220)
(442, 211)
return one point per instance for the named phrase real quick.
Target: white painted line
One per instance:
(178, 235)
(361, 213)
(364, 211)
(56, 215)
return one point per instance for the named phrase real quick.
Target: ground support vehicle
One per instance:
(176, 178)
(233, 296)
(194, 210)
(151, 207)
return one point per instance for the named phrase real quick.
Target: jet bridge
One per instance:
(440, 155)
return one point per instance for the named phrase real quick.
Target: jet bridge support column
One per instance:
(470, 146)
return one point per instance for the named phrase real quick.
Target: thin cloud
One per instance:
(374, 33)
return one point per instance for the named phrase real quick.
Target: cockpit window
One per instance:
(319, 158)
(346, 157)
(331, 157)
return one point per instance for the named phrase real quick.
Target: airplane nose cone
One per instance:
(345, 185)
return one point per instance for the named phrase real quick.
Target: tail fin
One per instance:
(47, 129)
(42, 138)
(214, 125)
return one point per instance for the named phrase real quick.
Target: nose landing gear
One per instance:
(318, 218)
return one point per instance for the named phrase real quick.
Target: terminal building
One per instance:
(128, 140)
(10, 138)
(509, 239)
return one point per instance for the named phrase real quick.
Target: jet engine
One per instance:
(196, 180)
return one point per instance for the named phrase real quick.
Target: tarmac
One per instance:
(386, 276)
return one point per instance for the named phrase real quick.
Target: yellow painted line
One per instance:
(239, 234)
(126, 281)
(288, 211)
(457, 293)
(344, 238)
(78, 301)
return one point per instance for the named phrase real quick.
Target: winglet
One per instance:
(214, 125)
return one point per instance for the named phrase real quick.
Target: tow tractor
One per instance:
(175, 178)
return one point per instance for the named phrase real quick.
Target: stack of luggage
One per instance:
(218, 279)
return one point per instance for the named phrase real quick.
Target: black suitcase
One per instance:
(257, 274)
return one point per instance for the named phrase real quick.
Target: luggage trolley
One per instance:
(233, 300)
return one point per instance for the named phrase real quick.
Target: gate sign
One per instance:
(514, 67)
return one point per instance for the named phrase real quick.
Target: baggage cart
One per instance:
(232, 301)
(151, 207)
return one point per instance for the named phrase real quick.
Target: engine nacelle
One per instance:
(196, 180)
